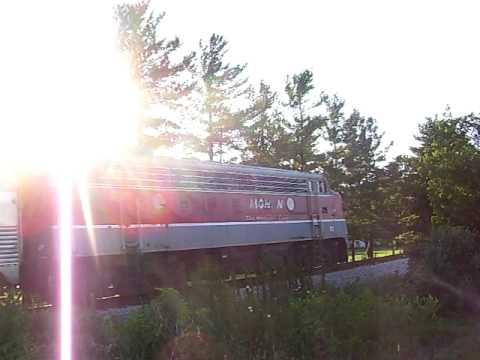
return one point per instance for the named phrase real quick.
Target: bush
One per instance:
(14, 328)
(267, 321)
(355, 323)
(147, 331)
(92, 336)
(450, 266)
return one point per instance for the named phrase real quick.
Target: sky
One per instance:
(65, 87)
(398, 61)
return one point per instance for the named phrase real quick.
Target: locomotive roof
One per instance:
(193, 164)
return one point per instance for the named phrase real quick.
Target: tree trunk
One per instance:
(210, 142)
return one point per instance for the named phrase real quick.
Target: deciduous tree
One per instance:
(449, 161)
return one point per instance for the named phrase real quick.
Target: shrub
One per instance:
(92, 336)
(451, 267)
(355, 323)
(14, 328)
(268, 322)
(147, 331)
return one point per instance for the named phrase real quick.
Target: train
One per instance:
(145, 223)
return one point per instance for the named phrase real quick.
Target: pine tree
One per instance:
(220, 86)
(362, 154)
(362, 151)
(306, 124)
(331, 160)
(264, 133)
(163, 74)
(405, 207)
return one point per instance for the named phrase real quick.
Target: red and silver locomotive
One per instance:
(156, 220)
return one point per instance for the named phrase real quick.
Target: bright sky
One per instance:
(398, 61)
(64, 85)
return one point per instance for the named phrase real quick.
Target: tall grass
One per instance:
(274, 316)
(213, 320)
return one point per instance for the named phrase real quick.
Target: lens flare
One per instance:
(70, 100)
(64, 184)
(82, 186)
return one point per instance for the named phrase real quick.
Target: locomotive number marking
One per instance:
(260, 203)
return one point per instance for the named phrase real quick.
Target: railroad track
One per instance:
(365, 262)
(366, 272)
(337, 275)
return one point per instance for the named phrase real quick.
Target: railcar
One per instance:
(155, 221)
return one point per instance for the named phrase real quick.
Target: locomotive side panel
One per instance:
(176, 221)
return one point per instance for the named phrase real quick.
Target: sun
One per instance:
(68, 101)
(74, 101)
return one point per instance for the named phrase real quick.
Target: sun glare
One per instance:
(65, 182)
(68, 100)
(74, 100)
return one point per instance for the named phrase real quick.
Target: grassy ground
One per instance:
(360, 254)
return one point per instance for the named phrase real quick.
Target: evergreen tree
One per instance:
(163, 74)
(331, 160)
(264, 132)
(220, 85)
(405, 207)
(362, 155)
(306, 123)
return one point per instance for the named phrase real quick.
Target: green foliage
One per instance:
(306, 122)
(92, 336)
(352, 165)
(267, 321)
(147, 331)
(406, 210)
(449, 161)
(451, 258)
(219, 85)
(362, 155)
(342, 326)
(331, 159)
(452, 253)
(163, 75)
(14, 328)
(264, 131)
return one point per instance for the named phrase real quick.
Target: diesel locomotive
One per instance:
(154, 221)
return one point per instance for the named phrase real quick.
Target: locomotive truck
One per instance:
(154, 221)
